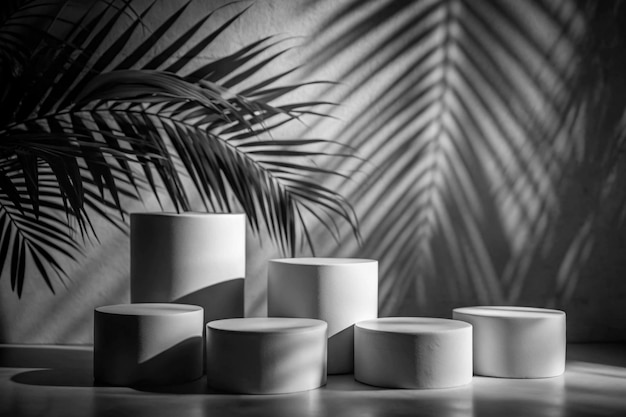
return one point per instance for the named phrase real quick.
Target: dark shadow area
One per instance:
(168, 368)
(116, 348)
(78, 378)
(33, 356)
(610, 354)
(338, 354)
(222, 300)
(66, 366)
(178, 364)
(346, 382)
(73, 367)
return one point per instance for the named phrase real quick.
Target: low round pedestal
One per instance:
(516, 342)
(147, 343)
(266, 355)
(413, 352)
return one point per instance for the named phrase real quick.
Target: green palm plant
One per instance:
(87, 123)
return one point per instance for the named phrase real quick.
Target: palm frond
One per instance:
(248, 165)
(105, 126)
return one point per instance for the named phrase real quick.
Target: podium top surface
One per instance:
(412, 325)
(510, 312)
(184, 214)
(149, 309)
(323, 261)
(267, 325)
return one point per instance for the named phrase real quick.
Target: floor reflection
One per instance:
(51, 381)
(522, 397)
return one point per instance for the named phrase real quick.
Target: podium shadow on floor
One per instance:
(66, 366)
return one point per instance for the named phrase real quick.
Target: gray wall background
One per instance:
(461, 203)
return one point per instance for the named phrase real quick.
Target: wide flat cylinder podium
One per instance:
(516, 342)
(340, 291)
(266, 355)
(189, 258)
(413, 352)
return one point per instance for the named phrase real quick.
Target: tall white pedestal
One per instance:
(189, 258)
(339, 291)
(516, 342)
(148, 343)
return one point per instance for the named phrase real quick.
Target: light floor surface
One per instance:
(57, 381)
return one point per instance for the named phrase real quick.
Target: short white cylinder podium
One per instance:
(413, 352)
(266, 355)
(153, 344)
(516, 342)
(340, 291)
(189, 258)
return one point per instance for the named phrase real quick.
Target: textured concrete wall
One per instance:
(457, 212)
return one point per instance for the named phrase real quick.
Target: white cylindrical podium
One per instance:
(266, 355)
(189, 258)
(516, 342)
(340, 291)
(413, 352)
(147, 343)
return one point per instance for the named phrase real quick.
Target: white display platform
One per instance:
(152, 344)
(266, 355)
(413, 352)
(189, 258)
(516, 342)
(340, 291)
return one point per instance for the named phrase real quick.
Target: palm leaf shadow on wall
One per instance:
(87, 123)
(497, 142)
